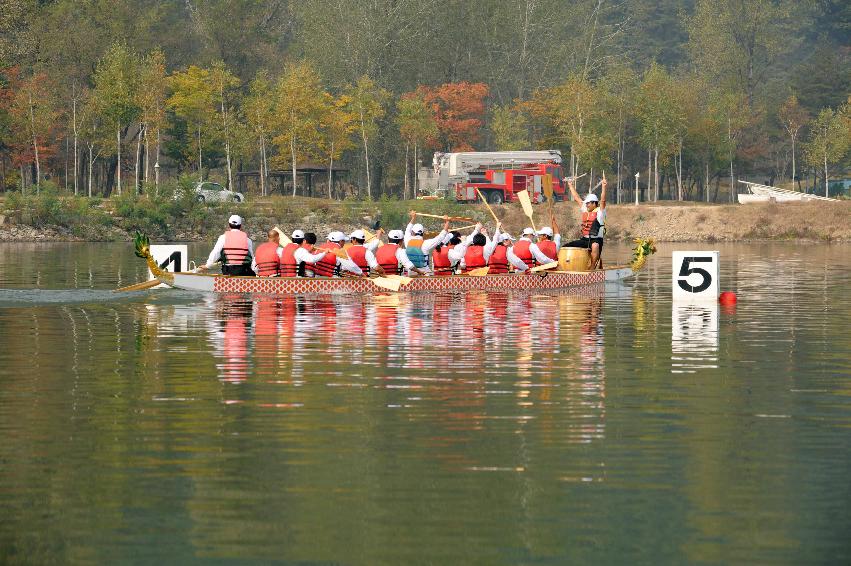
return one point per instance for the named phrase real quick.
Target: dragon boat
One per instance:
(552, 279)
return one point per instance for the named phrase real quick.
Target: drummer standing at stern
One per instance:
(234, 249)
(593, 221)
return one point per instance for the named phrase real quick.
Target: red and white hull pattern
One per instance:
(325, 285)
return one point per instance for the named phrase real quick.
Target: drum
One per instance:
(574, 259)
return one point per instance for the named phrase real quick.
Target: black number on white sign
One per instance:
(686, 270)
(175, 259)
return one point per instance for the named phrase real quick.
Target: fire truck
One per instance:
(500, 175)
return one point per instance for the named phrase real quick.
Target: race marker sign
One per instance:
(170, 258)
(695, 276)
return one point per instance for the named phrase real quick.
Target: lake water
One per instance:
(606, 426)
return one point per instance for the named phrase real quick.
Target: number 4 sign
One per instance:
(695, 276)
(169, 258)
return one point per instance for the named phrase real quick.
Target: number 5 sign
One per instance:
(695, 276)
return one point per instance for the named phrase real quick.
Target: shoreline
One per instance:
(666, 221)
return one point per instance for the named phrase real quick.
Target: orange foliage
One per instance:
(458, 111)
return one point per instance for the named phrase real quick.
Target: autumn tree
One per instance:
(338, 125)
(793, 117)
(367, 102)
(33, 110)
(829, 140)
(192, 98)
(151, 99)
(299, 105)
(259, 110)
(225, 84)
(459, 110)
(416, 126)
(660, 114)
(115, 82)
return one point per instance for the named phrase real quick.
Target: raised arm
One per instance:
(603, 184)
(571, 184)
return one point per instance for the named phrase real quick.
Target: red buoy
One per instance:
(727, 298)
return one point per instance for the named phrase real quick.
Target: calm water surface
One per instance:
(606, 426)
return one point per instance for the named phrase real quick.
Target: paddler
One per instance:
(440, 261)
(416, 246)
(503, 255)
(297, 257)
(548, 243)
(363, 253)
(267, 257)
(331, 264)
(234, 249)
(393, 258)
(528, 251)
(476, 250)
(593, 214)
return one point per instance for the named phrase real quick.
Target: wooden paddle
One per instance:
(386, 283)
(138, 286)
(401, 278)
(283, 240)
(479, 272)
(544, 267)
(481, 196)
(523, 196)
(451, 218)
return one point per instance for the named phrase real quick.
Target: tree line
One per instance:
(102, 98)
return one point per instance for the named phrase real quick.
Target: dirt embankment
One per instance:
(665, 221)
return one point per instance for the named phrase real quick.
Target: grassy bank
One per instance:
(51, 217)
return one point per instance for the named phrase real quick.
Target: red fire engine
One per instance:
(500, 175)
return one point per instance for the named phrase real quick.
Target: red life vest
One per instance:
(588, 219)
(474, 258)
(357, 254)
(440, 260)
(498, 261)
(521, 250)
(386, 258)
(289, 266)
(548, 248)
(327, 266)
(235, 250)
(268, 262)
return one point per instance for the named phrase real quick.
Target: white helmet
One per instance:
(235, 221)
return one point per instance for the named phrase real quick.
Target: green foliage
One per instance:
(510, 129)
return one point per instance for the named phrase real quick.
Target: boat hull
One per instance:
(322, 285)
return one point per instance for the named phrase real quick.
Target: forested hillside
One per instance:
(100, 97)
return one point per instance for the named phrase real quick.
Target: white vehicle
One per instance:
(207, 191)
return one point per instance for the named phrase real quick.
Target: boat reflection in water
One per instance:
(461, 363)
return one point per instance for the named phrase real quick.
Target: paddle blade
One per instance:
(547, 183)
(386, 283)
(282, 238)
(139, 286)
(401, 278)
(523, 196)
(544, 267)
(339, 252)
(479, 272)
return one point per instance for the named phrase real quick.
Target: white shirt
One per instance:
(402, 258)
(536, 252)
(601, 218)
(302, 255)
(518, 263)
(216, 254)
(349, 265)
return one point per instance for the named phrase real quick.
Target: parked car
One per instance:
(207, 191)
